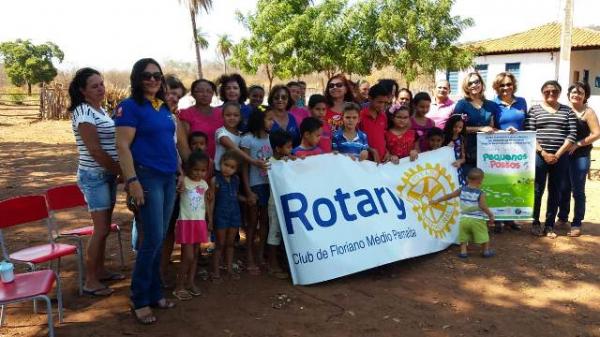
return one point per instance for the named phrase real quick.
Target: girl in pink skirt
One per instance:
(191, 226)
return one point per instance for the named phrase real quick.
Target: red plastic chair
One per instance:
(25, 209)
(32, 286)
(69, 196)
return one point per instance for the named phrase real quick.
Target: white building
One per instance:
(533, 57)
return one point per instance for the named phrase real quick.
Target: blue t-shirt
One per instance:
(153, 145)
(510, 115)
(475, 117)
(469, 201)
(352, 147)
(246, 110)
(292, 128)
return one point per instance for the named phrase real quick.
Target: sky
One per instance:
(113, 34)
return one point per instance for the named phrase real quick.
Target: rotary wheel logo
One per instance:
(422, 184)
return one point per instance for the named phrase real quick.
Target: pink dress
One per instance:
(191, 225)
(205, 123)
(422, 132)
(400, 145)
(299, 113)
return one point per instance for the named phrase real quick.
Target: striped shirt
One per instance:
(105, 127)
(552, 128)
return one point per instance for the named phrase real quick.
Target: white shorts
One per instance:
(274, 237)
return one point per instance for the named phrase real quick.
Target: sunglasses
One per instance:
(551, 92)
(444, 88)
(280, 98)
(476, 82)
(147, 76)
(506, 85)
(336, 85)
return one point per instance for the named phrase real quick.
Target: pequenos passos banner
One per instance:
(508, 161)
(339, 216)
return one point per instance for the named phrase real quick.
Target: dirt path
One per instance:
(534, 287)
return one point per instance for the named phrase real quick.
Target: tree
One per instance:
(27, 63)
(194, 7)
(268, 47)
(224, 48)
(419, 36)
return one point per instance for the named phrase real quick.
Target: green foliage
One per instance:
(16, 96)
(26, 63)
(224, 48)
(290, 38)
(201, 39)
(419, 36)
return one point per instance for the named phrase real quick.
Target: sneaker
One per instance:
(513, 225)
(488, 253)
(561, 224)
(549, 232)
(537, 229)
(497, 227)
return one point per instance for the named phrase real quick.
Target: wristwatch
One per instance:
(130, 180)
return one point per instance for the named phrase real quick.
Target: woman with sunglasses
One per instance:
(337, 92)
(478, 114)
(509, 117)
(555, 125)
(145, 129)
(280, 100)
(588, 131)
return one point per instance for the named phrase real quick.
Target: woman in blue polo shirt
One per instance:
(144, 131)
(478, 114)
(509, 117)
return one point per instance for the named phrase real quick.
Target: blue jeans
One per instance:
(578, 170)
(555, 174)
(153, 220)
(99, 187)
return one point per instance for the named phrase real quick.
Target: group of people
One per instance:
(200, 173)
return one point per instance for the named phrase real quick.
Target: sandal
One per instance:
(253, 270)
(100, 292)
(462, 255)
(112, 277)
(144, 319)
(574, 232)
(549, 231)
(488, 253)
(194, 291)
(163, 304)
(182, 295)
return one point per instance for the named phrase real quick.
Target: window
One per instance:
(586, 76)
(482, 69)
(514, 68)
(452, 77)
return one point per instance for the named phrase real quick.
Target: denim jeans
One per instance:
(99, 188)
(555, 174)
(578, 170)
(153, 220)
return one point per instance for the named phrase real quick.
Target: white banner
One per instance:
(339, 216)
(508, 161)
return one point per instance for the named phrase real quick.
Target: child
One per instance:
(472, 226)
(256, 144)
(373, 121)
(401, 141)
(310, 130)
(191, 228)
(421, 103)
(350, 141)
(455, 133)
(198, 140)
(281, 143)
(318, 108)
(227, 216)
(228, 136)
(435, 138)
(256, 96)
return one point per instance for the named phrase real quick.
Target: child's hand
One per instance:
(251, 199)
(456, 164)
(394, 159)
(414, 154)
(209, 194)
(261, 163)
(364, 155)
(180, 185)
(432, 202)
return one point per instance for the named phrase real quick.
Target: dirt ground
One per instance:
(534, 287)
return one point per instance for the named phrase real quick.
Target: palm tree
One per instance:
(201, 39)
(194, 6)
(224, 47)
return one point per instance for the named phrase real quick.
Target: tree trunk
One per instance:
(269, 76)
(28, 89)
(224, 63)
(196, 44)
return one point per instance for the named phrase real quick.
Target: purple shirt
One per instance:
(440, 112)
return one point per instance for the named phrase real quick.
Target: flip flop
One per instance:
(182, 295)
(100, 292)
(462, 256)
(193, 292)
(113, 277)
(163, 304)
(145, 319)
(489, 253)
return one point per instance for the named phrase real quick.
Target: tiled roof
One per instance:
(542, 38)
